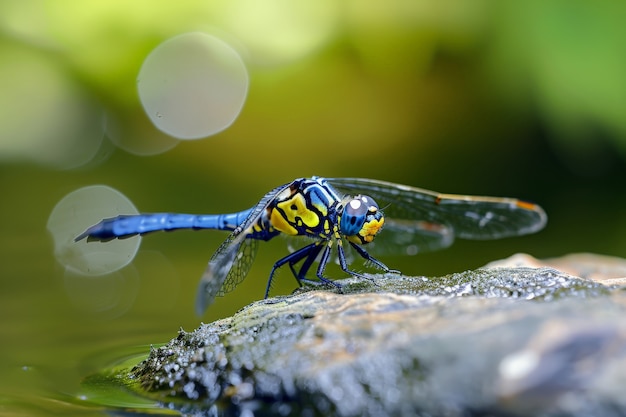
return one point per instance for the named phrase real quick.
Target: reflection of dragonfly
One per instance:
(335, 212)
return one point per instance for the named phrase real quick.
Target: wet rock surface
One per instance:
(499, 341)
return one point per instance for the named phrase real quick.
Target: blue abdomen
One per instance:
(126, 226)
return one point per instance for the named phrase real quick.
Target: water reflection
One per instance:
(109, 295)
(150, 285)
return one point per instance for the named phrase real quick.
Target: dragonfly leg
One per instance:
(310, 251)
(308, 262)
(322, 266)
(343, 263)
(373, 260)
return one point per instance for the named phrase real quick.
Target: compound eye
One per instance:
(355, 214)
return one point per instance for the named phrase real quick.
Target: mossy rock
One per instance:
(514, 341)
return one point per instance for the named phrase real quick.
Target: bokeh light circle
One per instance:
(133, 132)
(193, 85)
(46, 116)
(76, 212)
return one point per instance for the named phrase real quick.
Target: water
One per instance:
(51, 344)
(58, 329)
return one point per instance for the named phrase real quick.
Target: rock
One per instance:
(609, 270)
(495, 341)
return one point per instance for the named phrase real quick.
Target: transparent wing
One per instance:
(467, 217)
(230, 264)
(227, 268)
(240, 265)
(409, 237)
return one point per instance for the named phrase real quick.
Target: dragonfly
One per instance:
(371, 216)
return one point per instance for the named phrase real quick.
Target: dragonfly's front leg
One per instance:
(373, 260)
(343, 263)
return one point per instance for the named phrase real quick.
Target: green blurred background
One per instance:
(507, 98)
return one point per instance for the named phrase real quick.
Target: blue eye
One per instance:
(355, 213)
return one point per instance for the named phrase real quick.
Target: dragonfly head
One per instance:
(361, 220)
